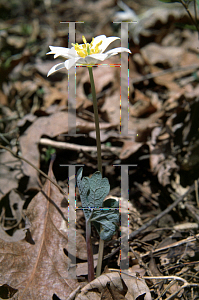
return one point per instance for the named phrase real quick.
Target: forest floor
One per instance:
(162, 142)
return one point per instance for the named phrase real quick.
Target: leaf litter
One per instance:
(163, 109)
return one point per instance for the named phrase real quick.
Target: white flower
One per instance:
(85, 54)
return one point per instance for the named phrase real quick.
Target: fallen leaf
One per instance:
(39, 269)
(136, 287)
(10, 172)
(111, 294)
(100, 283)
(129, 148)
(156, 54)
(51, 126)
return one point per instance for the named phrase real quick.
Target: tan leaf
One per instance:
(38, 269)
(136, 287)
(113, 282)
(10, 172)
(52, 126)
(111, 294)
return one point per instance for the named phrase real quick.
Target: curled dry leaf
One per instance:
(10, 172)
(136, 287)
(38, 269)
(100, 284)
(15, 207)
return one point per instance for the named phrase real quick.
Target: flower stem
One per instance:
(99, 160)
(97, 129)
(91, 276)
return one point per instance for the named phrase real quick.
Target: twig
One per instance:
(8, 119)
(181, 288)
(196, 191)
(176, 244)
(75, 147)
(151, 277)
(10, 132)
(158, 217)
(41, 172)
(161, 73)
(192, 212)
(163, 213)
(195, 10)
(73, 294)
(175, 278)
(190, 15)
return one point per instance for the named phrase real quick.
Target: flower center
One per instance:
(87, 49)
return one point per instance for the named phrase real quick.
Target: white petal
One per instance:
(61, 51)
(98, 39)
(118, 50)
(96, 57)
(56, 68)
(107, 42)
(71, 62)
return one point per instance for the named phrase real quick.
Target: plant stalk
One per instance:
(91, 275)
(190, 15)
(97, 129)
(99, 160)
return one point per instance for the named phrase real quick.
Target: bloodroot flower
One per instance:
(85, 54)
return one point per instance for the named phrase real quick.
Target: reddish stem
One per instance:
(89, 252)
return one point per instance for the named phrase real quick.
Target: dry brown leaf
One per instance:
(11, 206)
(143, 125)
(154, 19)
(16, 41)
(10, 172)
(51, 126)
(151, 236)
(17, 236)
(82, 268)
(39, 269)
(168, 56)
(111, 294)
(141, 105)
(112, 108)
(44, 66)
(100, 284)
(129, 147)
(4, 98)
(52, 95)
(136, 287)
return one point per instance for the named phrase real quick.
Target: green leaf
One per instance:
(83, 186)
(50, 151)
(108, 219)
(92, 191)
(169, 1)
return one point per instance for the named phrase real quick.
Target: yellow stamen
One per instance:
(86, 48)
(84, 39)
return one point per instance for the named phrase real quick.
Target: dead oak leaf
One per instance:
(52, 126)
(38, 269)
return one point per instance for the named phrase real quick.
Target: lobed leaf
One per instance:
(92, 193)
(108, 219)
